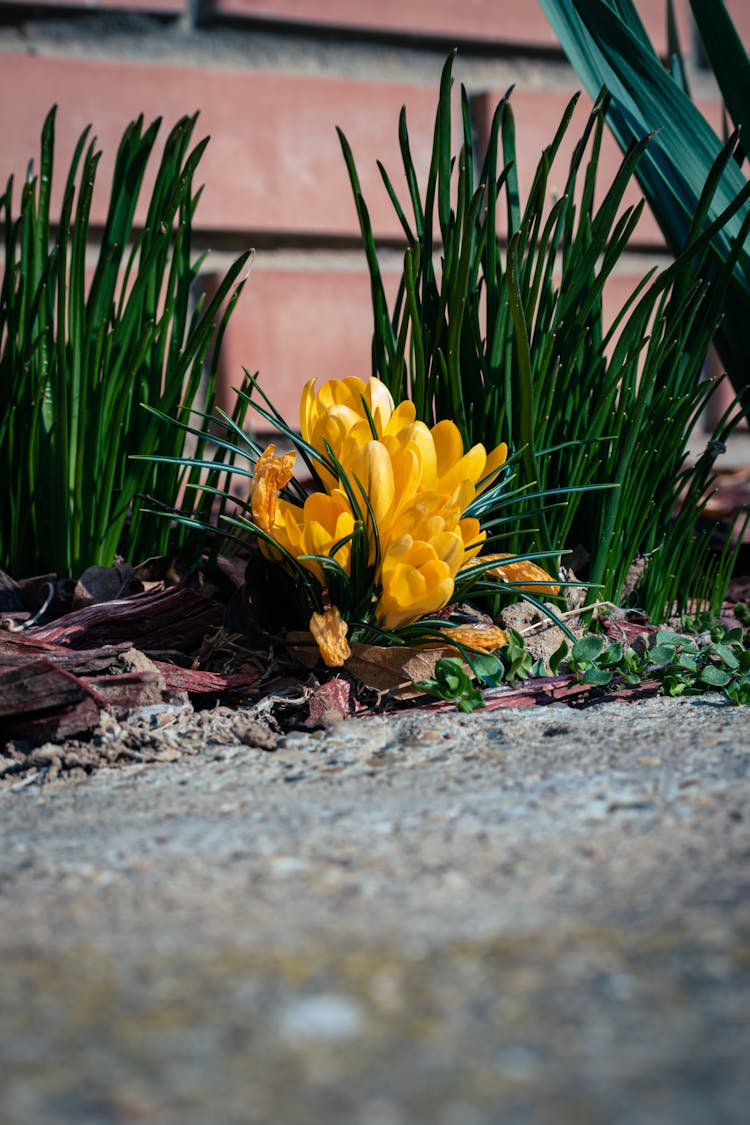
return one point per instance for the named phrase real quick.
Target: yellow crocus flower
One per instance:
(315, 528)
(315, 406)
(335, 416)
(414, 482)
(417, 578)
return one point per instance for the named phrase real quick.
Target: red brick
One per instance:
(620, 285)
(273, 163)
(293, 325)
(520, 22)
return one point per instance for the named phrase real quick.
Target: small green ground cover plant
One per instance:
(81, 349)
(707, 656)
(512, 344)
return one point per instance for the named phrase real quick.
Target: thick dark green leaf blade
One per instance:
(729, 60)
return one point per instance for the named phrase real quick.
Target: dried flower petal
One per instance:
(329, 631)
(486, 637)
(270, 475)
(523, 571)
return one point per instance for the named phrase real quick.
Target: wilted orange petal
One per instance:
(270, 475)
(329, 632)
(521, 572)
(486, 637)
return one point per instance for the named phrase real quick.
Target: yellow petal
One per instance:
(449, 548)
(417, 437)
(472, 536)
(469, 468)
(380, 403)
(414, 582)
(329, 632)
(351, 394)
(402, 416)
(373, 470)
(461, 496)
(326, 520)
(406, 474)
(495, 461)
(404, 603)
(307, 409)
(340, 392)
(320, 540)
(449, 447)
(323, 521)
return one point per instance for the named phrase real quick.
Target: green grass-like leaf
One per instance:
(79, 354)
(510, 343)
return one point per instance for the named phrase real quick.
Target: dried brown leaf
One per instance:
(394, 669)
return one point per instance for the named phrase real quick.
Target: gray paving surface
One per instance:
(516, 916)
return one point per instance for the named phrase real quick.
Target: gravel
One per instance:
(524, 915)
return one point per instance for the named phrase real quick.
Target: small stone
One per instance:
(321, 1017)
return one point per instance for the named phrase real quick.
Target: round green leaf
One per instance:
(587, 648)
(714, 677)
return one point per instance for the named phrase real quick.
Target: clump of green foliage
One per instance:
(683, 664)
(82, 346)
(707, 656)
(512, 345)
(461, 680)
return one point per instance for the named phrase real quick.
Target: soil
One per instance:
(537, 915)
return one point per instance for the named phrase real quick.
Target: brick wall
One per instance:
(272, 79)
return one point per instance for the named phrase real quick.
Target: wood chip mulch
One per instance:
(56, 678)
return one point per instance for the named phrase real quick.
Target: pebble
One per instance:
(321, 1017)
